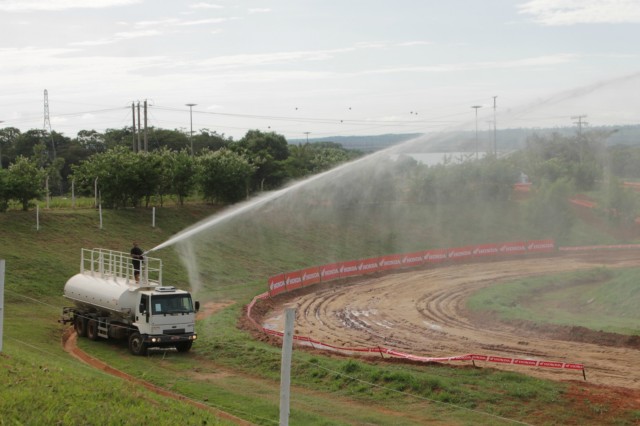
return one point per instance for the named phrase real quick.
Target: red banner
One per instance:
(500, 359)
(349, 268)
(276, 284)
(486, 250)
(330, 272)
(390, 262)
(368, 266)
(310, 276)
(436, 255)
(515, 247)
(460, 253)
(413, 259)
(529, 362)
(293, 280)
(550, 364)
(541, 245)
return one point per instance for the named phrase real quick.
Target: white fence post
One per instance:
(285, 369)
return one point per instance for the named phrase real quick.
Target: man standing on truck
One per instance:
(136, 259)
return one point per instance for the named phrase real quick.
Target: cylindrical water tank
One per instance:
(105, 294)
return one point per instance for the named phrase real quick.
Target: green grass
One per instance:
(601, 299)
(227, 368)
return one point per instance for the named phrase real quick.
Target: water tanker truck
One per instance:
(110, 304)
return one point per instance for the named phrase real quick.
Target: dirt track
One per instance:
(423, 313)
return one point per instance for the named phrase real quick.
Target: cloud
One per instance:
(206, 6)
(537, 61)
(572, 12)
(49, 5)
(259, 10)
(272, 58)
(128, 35)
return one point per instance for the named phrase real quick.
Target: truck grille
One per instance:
(173, 331)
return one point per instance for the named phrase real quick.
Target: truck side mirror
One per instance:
(197, 305)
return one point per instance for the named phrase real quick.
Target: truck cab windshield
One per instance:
(171, 304)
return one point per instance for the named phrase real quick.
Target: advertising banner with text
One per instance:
(349, 268)
(413, 259)
(276, 284)
(293, 280)
(435, 255)
(368, 266)
(541, 245)
(390, 262)
(310, 276)
(330, 272)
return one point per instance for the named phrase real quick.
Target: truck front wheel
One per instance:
(80, 325)
(137, 346)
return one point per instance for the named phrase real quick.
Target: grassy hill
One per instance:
(227, 369)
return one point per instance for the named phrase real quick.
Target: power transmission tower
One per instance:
(47, 122)
(580, 139)
(579, 123)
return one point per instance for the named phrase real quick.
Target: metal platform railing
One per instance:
(117, 265)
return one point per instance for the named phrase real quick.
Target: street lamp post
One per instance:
(191, 121)
(476, 108)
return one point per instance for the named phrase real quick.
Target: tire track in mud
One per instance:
(424, 313)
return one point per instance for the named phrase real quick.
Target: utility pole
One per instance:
(476, 108)
(307, 133)
(139, 137)
(146, 143)
(133, 129)
(191, 121)
(495, 139)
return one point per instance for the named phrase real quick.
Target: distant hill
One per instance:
(506, 139)
(363, 143)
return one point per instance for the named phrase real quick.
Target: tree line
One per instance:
(210, 165)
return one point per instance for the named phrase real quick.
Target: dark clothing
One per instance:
(136, 259)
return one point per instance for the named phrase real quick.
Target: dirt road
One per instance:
(423, 312)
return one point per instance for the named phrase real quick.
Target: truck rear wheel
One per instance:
(92, 329)
(137, 346)
(184, 346)
(80, 325)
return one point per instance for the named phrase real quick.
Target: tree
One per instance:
(181, 173)
(25, 181)
(92, 141)
(4, 190)
(124, 177)
(548, 212)
(224, 176)
(8, 138)
(267, 152)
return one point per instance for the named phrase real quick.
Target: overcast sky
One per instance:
(327, 67)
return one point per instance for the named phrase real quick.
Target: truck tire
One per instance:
(92, 329)
(184, 346)
(80, 325)
(137, 346)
